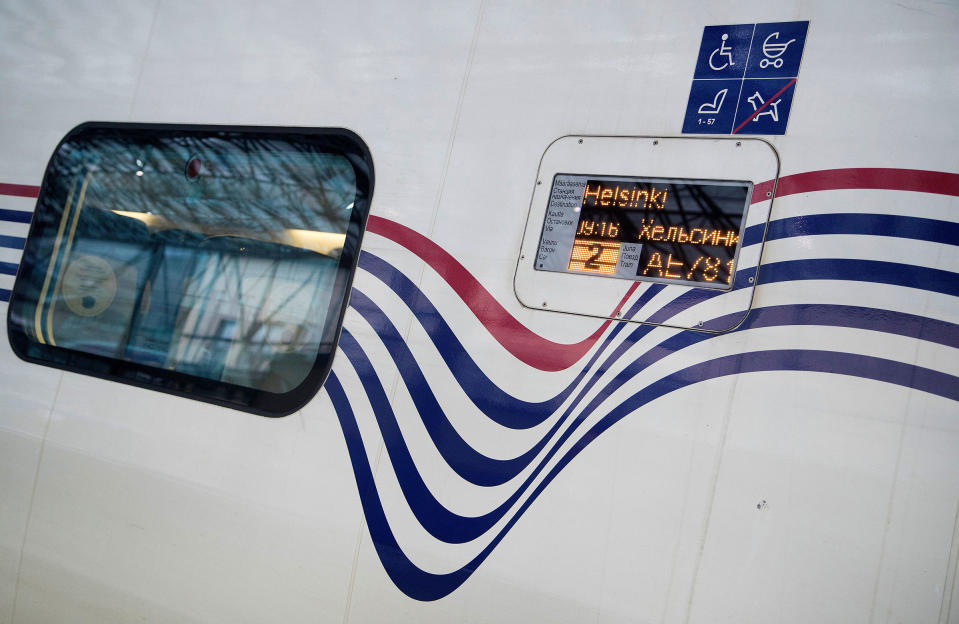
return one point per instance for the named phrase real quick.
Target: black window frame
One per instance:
(257, 401)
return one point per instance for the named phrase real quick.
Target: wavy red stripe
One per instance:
(544, 354)
(515, 337)
(547, 355)
(19, 190)
(916, 180)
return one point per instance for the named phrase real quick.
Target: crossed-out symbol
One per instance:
(757, 102)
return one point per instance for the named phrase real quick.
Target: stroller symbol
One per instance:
(722, 50)
(772, 51)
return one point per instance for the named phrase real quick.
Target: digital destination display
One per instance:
(664, 230)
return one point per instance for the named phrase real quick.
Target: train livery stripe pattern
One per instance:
(599, 380)
(13, 230)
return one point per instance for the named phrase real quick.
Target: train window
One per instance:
(209, 262)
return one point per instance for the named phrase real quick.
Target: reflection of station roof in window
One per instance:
(269, 190)
(326, 243)
(244, 183)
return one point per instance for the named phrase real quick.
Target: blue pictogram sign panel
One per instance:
(745, 78)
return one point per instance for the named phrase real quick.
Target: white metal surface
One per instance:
(784, 496)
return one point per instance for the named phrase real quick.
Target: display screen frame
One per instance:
(593, 177)
(711, 310)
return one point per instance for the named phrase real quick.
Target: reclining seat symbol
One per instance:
(712, 108)
(757, 101)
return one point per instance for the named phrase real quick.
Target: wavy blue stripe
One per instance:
(410, 579)
(489, 398)
(916, 228)
(465, 461)
(876, 271)
(440, 522)
(436, 519)
(461, 457)
(8, 268)
(809, 314)
(4, 294)
(13, 242)
(510, 411)
(754, 234)
(428, 511)
(911, 325)
(856, 317)
(472, 467)
(844, 269)
(450, 527)
(15, 216)
(422, 585)
(874, 224)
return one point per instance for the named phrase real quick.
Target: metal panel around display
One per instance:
(661, 210)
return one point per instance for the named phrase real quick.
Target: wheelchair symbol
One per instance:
(722, 50)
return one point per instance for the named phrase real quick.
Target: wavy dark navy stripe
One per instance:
(849, 269)
(422, 585)
(441, 523)
(856, 317)
(498, 405)
(15, 216)
(916, 228)
(478, 469)
(13, 242)
(449, 527)
(896, 226)
(410, 579)
(429, 512)
(460, 456)
(876, 271)
(517, 413)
